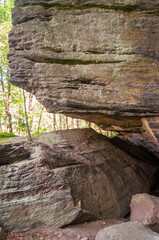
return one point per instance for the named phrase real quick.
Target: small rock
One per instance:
(82, 238)
(145, 208)
(127, 231)
(42, 238)
(60, 234)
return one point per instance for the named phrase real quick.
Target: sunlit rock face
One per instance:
(95, 60)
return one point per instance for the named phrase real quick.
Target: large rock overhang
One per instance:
(98, 61)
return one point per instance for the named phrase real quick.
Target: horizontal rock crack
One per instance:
(74, 61)
(124, 8)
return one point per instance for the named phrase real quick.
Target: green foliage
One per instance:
(127, 8)
(15, 162)
(4, 142)
(76, 62)
(5, 10)
(34, 236)
(113, 134)
(35, 133)
(7, 135)
(93, 52)
(5, 27)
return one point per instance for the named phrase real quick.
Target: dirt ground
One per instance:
(84, 231)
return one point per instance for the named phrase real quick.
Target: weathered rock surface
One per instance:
(2, 234)
(96, 60)
(68, 177)
(138, 147)
(10, 153)
(127, 231)
(151, 4)
(145, 208)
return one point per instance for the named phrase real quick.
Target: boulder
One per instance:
(145, 208)
(94, 60)
(68, 177)
(127, 231)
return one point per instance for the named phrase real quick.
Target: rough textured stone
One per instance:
(138, 147)
(2, 234)
(145, 208)
(127, 231)
(96, 60)
(68, 177)
(151, 4)
(11, 153)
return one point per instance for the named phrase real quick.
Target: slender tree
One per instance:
(26, 117)
(67, 124)
(54, 122)
(40, 118)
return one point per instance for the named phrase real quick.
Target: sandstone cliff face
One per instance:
(70, 177)
(96, 60)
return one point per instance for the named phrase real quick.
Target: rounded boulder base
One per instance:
(145, 208)
(127, 231)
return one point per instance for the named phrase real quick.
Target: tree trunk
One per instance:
(9, 104)
(31, 111)
(60, 122)
(89, 125)
(77, 121)
(54, 122)
(67, 125)
(26, 118)
(40, 118)
(7, 101)
(72, 123)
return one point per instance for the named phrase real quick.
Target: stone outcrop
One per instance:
(145, 208)
(125, 231)
(95, 60)
(138, 147)
(67, 177)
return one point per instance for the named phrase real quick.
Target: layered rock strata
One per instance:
(67, 177)
(95, 60)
